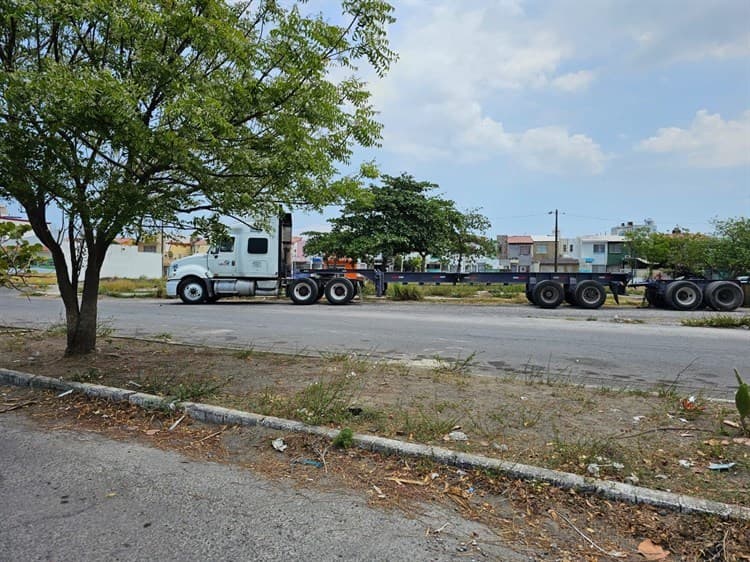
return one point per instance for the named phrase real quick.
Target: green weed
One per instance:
(718, 321)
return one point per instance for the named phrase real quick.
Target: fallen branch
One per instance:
(17, 406)
(214, 434)
(661, 429)
(406, 481)
(613, 553)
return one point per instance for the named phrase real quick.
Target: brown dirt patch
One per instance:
(534, 518)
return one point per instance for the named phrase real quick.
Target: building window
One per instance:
(599, 248)
(540, 249)
(257, 245)
(524, 250)
(598, 268)
(571, 248)
(615, 248)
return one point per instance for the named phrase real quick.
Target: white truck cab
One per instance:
(252, 262)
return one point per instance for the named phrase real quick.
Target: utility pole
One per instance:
(556, 235)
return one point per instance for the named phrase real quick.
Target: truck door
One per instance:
(222, 259)
(261, 257)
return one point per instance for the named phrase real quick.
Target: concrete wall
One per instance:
(127, 262)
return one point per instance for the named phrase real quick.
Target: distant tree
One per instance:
(466, 239)
(128, 112)
(682, 253)
(16, 254)
(399, 216)
(731, 251)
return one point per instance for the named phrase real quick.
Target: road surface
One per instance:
(622, 347)
(77, 496)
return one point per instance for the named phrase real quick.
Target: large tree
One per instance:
(466, 238)
(116, 111)
(731, 251)
(399, 216)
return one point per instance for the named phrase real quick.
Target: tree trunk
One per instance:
(82, 321)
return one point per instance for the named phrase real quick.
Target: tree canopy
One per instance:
(727, 251)
(401, 216)
(120, 111)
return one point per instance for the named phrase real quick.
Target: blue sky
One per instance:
(608, 110)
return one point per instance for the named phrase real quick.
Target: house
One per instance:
(625, 227)
(600, 253)
(515, 252)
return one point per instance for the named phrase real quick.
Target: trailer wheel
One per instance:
(653, 298)
(548, 294)
(192, 291)
(303, 291)
(339, 291)
(590, 294)
(723, 295)
(529, 295)
(570, 297)
(683, 295)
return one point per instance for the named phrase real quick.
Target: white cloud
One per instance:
(574, 81)
(710, 142)
(553, 149)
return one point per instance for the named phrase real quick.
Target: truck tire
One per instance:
(339, 291)
(529, 295)
(304, 291)
(653, 298)
(570, 297)
(548, 294)
(192, 291)
(683, 295)
(723, 295)
(590, 294)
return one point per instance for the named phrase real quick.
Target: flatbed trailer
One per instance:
(544, 289)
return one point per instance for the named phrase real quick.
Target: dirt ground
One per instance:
(661, 440)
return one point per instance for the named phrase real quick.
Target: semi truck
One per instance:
(249, 262)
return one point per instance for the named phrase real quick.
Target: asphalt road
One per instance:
(632, 348)
(79, 496)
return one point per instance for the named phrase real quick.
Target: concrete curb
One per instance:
(219, 415)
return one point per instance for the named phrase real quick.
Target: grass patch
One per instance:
(405, 292)
(718, 321)
(188, 390)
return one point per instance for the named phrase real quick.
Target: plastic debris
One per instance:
(618, 465)
(637, 419)
(632, 479)
(65, 393)
(458, 436)
(721, 466)
(279, 445)
(310, 462)
(593, 469)
(175, 424)
(685, 463)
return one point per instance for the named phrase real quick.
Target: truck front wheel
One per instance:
(304, 291)
(339, 291)
(192, 291)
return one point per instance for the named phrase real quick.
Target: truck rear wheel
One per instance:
(192, 291)
(683, 295)
(339, 291)
(304, 291)
(590, 294)
(723, 295)
(548, 294)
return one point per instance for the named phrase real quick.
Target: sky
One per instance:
(608, 110)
